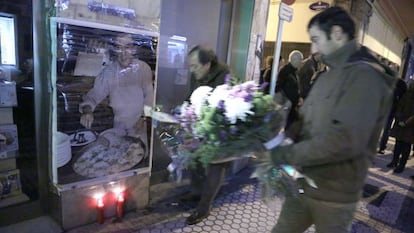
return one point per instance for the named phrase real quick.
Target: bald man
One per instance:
(287, 83)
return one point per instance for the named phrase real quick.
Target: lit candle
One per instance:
(100, 209)
(120, 205)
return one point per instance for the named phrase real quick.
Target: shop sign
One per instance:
(318, 6)
(285, 12)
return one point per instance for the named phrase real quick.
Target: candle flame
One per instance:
(100, 202)
(121, 198)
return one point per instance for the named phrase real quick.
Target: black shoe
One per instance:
(399, 169)
(196, 217)
(190, 197)
(392, 164)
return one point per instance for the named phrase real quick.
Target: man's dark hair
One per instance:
(204, 55)
(334, 16)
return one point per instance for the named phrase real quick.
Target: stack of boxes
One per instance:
(10, 186)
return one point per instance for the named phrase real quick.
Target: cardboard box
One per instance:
(8, 138)
(10, 183)
(7, 164)
(8, 96)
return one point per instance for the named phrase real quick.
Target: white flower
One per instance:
(221, 92)
(199, 97)
(237, 108)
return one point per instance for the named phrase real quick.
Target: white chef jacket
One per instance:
(129, 89)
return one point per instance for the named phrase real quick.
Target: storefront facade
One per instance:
(55, 168)
(79, 172)
(375, 30)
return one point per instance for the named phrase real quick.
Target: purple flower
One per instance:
(233, 130)
(221, 105)
(250, 87)
(248, 98)
(223, 135)
(263, 85)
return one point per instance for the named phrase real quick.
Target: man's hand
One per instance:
(86, 120)
(300, 101)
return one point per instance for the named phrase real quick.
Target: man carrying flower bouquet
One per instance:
(206, 70)
(342, 119)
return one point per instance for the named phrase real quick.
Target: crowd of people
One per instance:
(338, 123)
(342, 126)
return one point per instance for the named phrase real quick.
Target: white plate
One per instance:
(63, 161)
(89, 137)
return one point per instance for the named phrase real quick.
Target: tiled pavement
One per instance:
(387, 207)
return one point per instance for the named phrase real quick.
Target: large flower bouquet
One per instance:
(229, 121)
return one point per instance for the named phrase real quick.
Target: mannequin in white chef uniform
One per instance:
(128, 83)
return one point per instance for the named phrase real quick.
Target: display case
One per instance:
(102, 77)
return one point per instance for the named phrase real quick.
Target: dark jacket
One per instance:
(215, 76)
(287, 83)
(265, 77)
(405, 113)
(343, 117)
(399, 91)
(305, 73)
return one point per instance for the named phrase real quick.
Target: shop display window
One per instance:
(107, 72)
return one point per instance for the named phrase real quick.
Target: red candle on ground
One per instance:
(100, 211)
(120, 205)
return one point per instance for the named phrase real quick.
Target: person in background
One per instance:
(307, 70)
(266, 74)
(403, 130)
(127, 82)
(205, 70)
(341, 125)
(399, 91)
(282, 62)
(287, 84)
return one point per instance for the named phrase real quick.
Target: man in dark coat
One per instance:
(287, 84)
(206, 70)
(399, 91)
(403, 130)
(307, 70)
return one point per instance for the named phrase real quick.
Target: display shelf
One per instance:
(13, 200)
(101, 180)
(104, 26)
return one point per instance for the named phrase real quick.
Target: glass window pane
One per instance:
(7, 40)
